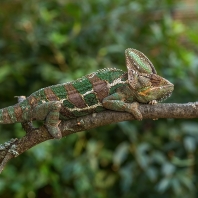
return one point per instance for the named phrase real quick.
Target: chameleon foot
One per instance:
(49, 112)
(54, 130)
(133, 108)
(111, 102)
(153, 102)
(52, 120)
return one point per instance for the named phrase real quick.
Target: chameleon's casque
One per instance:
(111, 89)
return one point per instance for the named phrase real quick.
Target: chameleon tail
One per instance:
(22, 112)
(13, 114)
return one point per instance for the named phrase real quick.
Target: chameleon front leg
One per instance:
(115, 102)
(49, 112)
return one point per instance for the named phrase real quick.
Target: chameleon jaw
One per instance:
(156, 94)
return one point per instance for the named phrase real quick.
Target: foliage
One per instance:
(50, 42)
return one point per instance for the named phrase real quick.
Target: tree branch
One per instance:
(15, 147)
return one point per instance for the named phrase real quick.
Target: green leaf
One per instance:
(164, 184)
(121, 153)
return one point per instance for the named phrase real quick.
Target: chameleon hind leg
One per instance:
(49, 112)
(115, 102)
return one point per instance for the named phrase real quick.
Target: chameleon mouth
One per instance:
(144, 92)
(166, 91)
(168, 86)
(164, 97)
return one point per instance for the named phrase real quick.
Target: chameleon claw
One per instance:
(153, 102)
(155, 118)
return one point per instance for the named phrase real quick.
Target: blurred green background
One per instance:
(48, 42)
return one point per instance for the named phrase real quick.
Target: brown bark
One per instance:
(32, 138)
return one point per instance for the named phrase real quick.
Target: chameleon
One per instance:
(108, 88)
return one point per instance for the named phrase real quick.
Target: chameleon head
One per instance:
(153, 87)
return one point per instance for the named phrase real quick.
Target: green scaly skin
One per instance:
(111, 89)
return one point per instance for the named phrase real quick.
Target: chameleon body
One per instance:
(110, 88)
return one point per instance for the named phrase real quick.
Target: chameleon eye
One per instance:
(155, 80)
